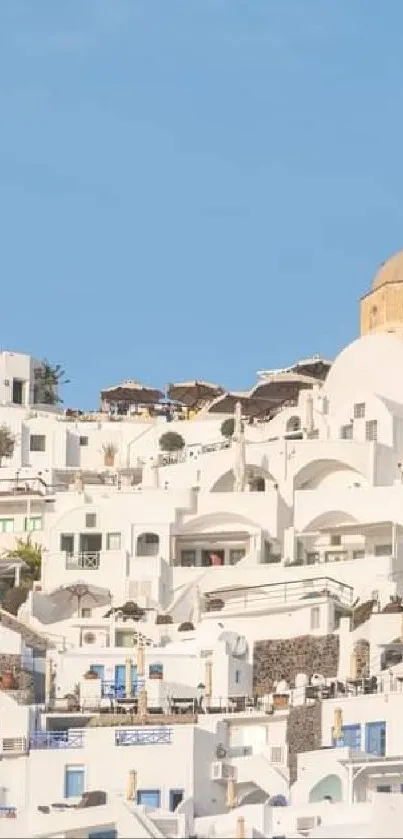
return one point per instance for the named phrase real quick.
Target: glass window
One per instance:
(156, 671)
(67, 543)
(383, 788)
(371, 431)
(383, 550)
(359, 410)
(6, 525)
(346, 432)
(83, 441)
(350, 737)
(149, 798)
(37, 443)
(235, 555)
(33, 523)
(90, 520)
(375, 738)
(188, 558)
(335, 539)
(113, 541)
(86, 612)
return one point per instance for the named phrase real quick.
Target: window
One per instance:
(371, 431)
(37, 443)
(6, 525)
(346, 432)
(86, 612)
(148, 544)
(67, 543)
(293, 425)
(383, 550)
(149, 798)
(350, 737)
(83, 441)
(360, 554)
(18, 391)
(175, 798)
(315, 617)
(113, 541)
(335, 539)
(156, 671)
(383, 788)
(237, 677)
(90, 520)
(312, 557)
(235, 555)
(188, 558)
(375, 738)
(73, 781)
(33, 523)
(359, 410)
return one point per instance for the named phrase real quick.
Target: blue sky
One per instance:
(194, 188)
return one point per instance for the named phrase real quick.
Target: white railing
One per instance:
(87, 561)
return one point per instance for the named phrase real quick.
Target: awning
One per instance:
(133, 392)
(251, 407)
(282, 387)
(194, 392)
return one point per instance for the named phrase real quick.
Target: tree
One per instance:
(228, 427)
(48, 379)
(171, 442)
(7, 443)
(30, 553)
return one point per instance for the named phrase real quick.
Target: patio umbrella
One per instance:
(193, 393)
(282, 387)
(133, 392)
(251, 406)
(79, 590)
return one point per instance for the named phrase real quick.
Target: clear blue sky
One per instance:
(194, 188)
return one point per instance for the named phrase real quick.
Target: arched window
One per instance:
(329, 788)
(293, 424)
(148, 544)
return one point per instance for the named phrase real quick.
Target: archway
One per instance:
(329, 787)
(316, 472)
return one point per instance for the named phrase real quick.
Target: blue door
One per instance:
(375, 738)
(120, 680)
(73, 781)
(99, 669)
(149, 797)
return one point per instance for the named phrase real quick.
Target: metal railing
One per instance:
(70, 739)
(143, 736)
(117, 690)
(86, 561)
(277, 593)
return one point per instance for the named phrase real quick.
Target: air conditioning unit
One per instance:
(221, 771)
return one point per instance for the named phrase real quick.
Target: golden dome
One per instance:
(390, 271)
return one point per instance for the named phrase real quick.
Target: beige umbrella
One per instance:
(226, 403)
(282, 387)
(193, 393)
(132, 392)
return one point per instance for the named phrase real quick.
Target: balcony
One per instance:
(86, 561)
(71, 739)
(272, 595)
(143, 736)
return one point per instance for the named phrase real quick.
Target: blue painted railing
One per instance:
(71, 739)
(116, 690)
(8, 812)
(143, 736)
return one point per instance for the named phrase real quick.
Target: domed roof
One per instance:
(390, 271)
(373, 364)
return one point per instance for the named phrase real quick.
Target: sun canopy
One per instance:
(194, 392)
(282, 387)
(133, 392)
(251, 407)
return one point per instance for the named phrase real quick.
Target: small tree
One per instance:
(30, 553)
(7, 443)
(48, 378)
(228, 427)
(171, 442)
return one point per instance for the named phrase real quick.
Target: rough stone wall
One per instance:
(304, 733)
(24, 693)
(361, 652)
(284, 658)
(10, 661)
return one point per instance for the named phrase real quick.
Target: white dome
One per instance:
(373, 363)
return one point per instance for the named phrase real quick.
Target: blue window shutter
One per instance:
(149, 797)
(375, 738)
(99, 669)
(351, 736)
(73, 781)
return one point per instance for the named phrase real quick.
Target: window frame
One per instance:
(35, 449)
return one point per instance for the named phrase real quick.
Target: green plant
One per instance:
(48, 378)
(186, 626)
(109, 449)
(30, 553)
(228, 427)
(171, 442)
(7, 442)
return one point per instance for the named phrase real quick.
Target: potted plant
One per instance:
(7, 680)
(109, 450)
(7, 443)
(171, 442)
(131, 610)
(91, 674)
(228, 427)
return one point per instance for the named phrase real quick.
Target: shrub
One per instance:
(186, 626)
(171, 442)
(14, 598)
(7, 443)
(227, 427)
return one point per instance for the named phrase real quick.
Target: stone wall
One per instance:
(24, 692)
(284, 658)
(304, 733)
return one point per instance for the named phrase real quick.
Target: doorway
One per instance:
(175, 798)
